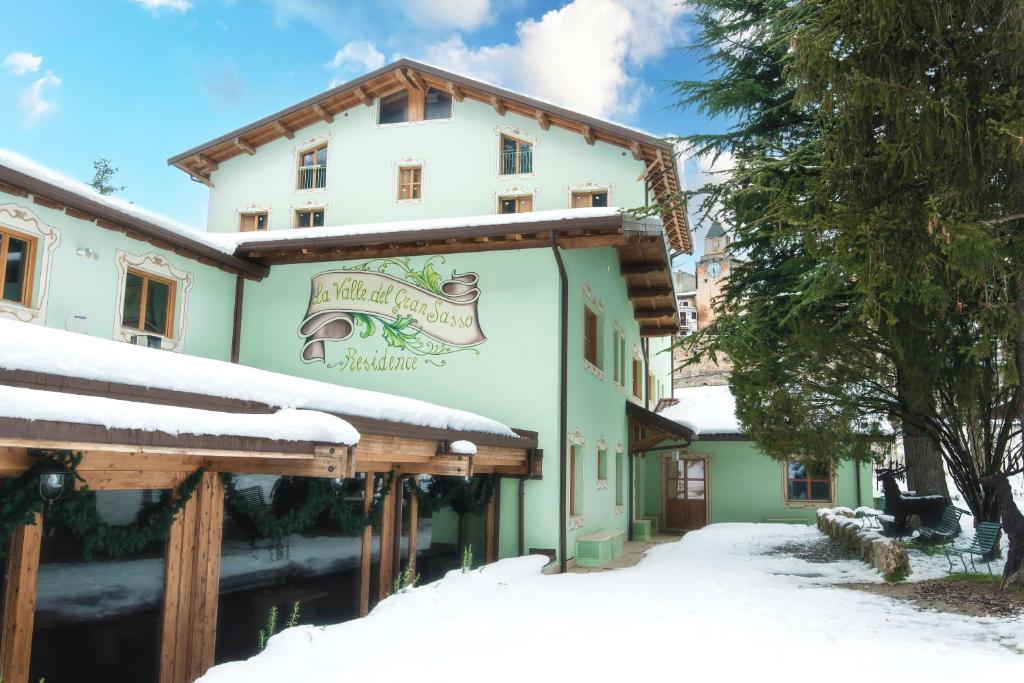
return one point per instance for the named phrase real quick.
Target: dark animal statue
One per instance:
(901, 507)
(1013, 527)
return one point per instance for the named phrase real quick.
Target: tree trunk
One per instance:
(922, 456)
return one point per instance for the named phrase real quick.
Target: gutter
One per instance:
(563, 402)
(236, 325)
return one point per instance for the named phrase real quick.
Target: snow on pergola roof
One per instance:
(33, 348)
(705, 410)
(284, 425)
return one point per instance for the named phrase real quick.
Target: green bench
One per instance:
(642, 529)
(599, 548)
(947, 529)
(984, 542)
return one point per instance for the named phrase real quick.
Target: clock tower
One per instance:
(713, 268)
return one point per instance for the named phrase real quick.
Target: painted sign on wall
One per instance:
(418, 313)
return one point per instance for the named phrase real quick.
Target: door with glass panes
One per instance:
(685, 494)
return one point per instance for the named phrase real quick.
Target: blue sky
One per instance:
(137, 81)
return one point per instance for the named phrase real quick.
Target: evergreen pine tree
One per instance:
(103, 176)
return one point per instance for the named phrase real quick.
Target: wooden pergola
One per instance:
(129, 459)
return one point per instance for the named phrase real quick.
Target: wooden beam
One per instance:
(366, 556)
(415, 79)
(405, 80)
(643, 269)
(385, 557)
(206, 162)
(362, 96)
(19, 607)
(634, 147)
(12, 190)
(542, 119)
(48, 203)
(648, 292)
(284, 130)
(325, 115)
(498, 105)
(455, 91)
(244, 146)
(414, 516)
(588, 134)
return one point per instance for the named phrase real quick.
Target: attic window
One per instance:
(394, 108)
(437, 105)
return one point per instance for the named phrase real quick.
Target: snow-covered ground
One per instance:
(717, 604)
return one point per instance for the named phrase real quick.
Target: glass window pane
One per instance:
(307, 158)
(318, 218)
(695, 469)
(508, 205)
(796, 470)
(394, 108)
(132, 301)
(695, 489)
(321, 156)
(438, 105)
(16, 270)
(304, 217)
(158, 296)
(821, 490)
(680, 489)
(599, 199)
(797, 490)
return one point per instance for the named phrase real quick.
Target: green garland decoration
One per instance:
(76, 511)
(464, 497)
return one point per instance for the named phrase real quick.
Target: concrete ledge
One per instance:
(887, 555)
(599, 548)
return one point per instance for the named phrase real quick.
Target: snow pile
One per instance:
(717, 605)
(41, 349)
(285, 425)
(230, 240)
(462, 447)
(705, 410)
(16, 162)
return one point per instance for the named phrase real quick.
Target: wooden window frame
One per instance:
(518, 155)
(517, 198)
(638, 371)
(591, 343)
(310, 211)
(415, 182)
(255, 216)
(172, 299)
(588, 193)
(30, 264)
(808, 481)
(314, 148)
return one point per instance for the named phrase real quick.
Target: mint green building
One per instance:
(423, 234)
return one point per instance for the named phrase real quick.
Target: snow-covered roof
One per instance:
(705, 410)
(35, 348)
(20, 164)
(284, 425)
(229, 241)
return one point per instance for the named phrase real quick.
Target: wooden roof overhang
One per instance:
(654, 429)
(55, 197)
(645, 265)
(384, 446)
(660, 172)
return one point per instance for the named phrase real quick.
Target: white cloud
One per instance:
(19, 63)
(355, 58)
(326, 15)
(172, 5)
(466, 15)
(582, 55)
(34, 100)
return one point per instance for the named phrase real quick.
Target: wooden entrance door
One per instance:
(685, 494)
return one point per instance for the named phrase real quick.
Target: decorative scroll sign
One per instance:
(415, 312)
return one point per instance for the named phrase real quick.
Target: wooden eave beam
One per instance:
(325, 116)
(643, 269)
(284, 130)
(404, 78)
(208, 164)
(648, 292)
(498, 105)
(362, 96)
(455, 91)
(415, 79)
(244, 146)
(634, 147)
(588, 134)
(542, 119)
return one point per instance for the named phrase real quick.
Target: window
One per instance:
(619, 374)
(410, 184)
(252, 222)
(17, 267)
(148, 303)
(313, 168)
(586, 200)
(515, 204)
(575, 490)
(808, 482)
(309, 218)
(437, 105)
(516, 156)
(620, 478)
(602, 465)
(638, 374)
(394, 108)
(591, 337)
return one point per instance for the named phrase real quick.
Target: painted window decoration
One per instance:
(808, 482)
(17, 266)
(575, 487)
(619, 374)
(309, 218)
(148, 303)
(638, 374)
(515, 204)
(620, 479)
(586, 200)
(312, 174)
(254, 221)
(410, 183)
(591, 337)
(602, 465)
(516, 156)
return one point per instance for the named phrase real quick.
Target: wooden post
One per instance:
(414, 514)
(387, 541)
(20, 601)
(489, 531)
(191, 584)
(367, 548)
